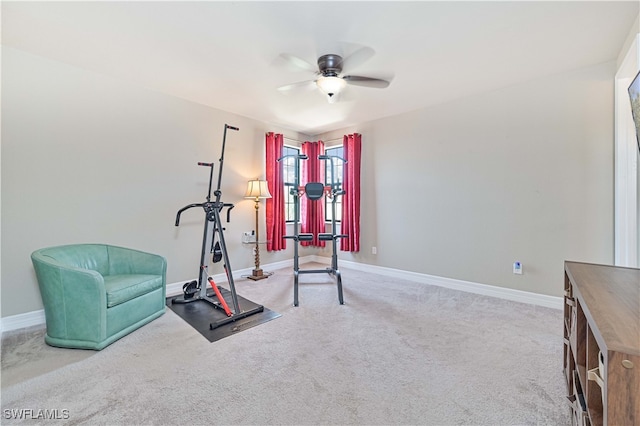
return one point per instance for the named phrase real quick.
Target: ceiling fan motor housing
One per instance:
(330, 65)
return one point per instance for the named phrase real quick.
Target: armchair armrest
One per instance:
(66, 291)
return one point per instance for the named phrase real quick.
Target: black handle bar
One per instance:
(229, 206)
(186, 208)
(298, 156)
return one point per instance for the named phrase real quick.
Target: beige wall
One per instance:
(88, 158)
(633, 31)
(463, 190)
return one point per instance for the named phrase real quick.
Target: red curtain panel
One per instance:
(312, 212)
(276, 226)
(352, 147)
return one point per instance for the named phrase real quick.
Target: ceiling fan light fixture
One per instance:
(330, 85)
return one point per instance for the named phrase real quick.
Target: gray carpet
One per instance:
(397, 352)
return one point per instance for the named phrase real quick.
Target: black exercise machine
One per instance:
(196, 291)
(314, 191)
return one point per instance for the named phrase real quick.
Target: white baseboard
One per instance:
(30, 319)
(16, 322)
(466, 286)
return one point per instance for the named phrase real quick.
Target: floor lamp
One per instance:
(257, 189)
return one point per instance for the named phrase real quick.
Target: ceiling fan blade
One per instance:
(301, 85)
(298, 63)
(357, 58)
(356, 80)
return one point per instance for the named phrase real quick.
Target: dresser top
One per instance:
(610, 298)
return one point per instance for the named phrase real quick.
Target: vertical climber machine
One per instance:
(213, 243)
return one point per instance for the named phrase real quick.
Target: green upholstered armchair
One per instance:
(94, 294)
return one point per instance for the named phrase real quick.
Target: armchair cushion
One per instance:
(94, 294)
(122, 288)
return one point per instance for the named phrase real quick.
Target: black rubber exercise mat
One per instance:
(200, 314)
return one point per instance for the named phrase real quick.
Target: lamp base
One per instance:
(257, 274)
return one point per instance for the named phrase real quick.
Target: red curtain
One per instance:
(312, 212)
(276, 226)
(352, 148)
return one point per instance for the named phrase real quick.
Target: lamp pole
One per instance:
(257, 189)
(257, 273)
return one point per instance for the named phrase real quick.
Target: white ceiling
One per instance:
(226, 54)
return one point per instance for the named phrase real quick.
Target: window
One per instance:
(335, 151)
(290, 172)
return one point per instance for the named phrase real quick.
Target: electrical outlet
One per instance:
(517, 268)
(374, 250)
(248, 237)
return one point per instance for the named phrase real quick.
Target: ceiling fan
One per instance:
(331, 80)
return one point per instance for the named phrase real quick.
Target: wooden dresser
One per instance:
(602, 343)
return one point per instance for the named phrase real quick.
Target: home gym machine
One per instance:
(314, 192)
(197, 290)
